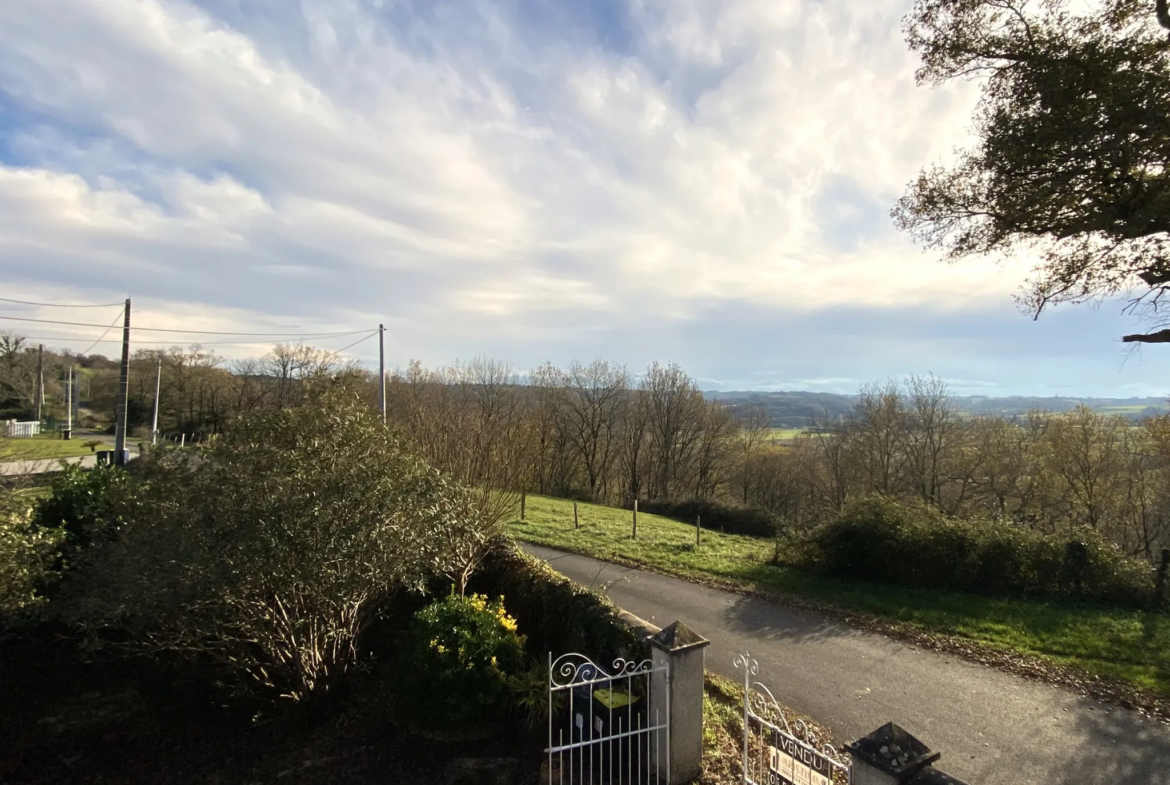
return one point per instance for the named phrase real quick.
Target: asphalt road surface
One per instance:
(991, 727)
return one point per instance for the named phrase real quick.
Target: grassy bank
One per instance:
(1129, 645)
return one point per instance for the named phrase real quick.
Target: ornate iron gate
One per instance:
(776, 753)
(607, 727)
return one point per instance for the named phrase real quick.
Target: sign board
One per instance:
(792, 763)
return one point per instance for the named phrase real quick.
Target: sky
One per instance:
(706, 182)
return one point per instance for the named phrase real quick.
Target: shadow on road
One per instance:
(1132, 748)
(776, 622)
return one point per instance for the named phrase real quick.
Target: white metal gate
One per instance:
(776, 753)
(607, 727)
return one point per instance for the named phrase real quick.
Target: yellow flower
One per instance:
(494, 663)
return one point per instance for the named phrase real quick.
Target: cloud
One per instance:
(518, 179)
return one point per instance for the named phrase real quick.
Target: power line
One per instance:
(61, 305)
(66, 339)
(355, 343)
(107, 332)
(188, 332)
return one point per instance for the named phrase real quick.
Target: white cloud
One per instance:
(453, 168)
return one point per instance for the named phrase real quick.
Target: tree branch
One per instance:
(1162, 336)
(1163, 14)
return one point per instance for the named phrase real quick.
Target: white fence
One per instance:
(614, 736)
(21, 430)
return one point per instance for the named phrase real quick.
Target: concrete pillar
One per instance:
(685, 651)
(890, 755)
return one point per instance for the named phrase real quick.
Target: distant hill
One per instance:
(793, 409)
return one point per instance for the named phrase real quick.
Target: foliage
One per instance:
(458, 659)
(26, 553)
(271, 551)
(915, 545)
(553, 612)
(715, 515)
(1073, 138)
(82, 504)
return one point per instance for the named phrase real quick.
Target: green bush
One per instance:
(554, 613)
(458, 659)
(26, 554)
(272, 551)
(715, 515)
(82, 504)
(880, 539)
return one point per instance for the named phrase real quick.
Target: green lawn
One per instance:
(43, 447)
(1127, 644)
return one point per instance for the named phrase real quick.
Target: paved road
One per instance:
(12, 468)
(992, 728)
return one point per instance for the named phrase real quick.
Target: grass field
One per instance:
(784, 433)
(1130, 645)
(42, 448)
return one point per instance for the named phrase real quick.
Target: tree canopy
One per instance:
(1073, 131)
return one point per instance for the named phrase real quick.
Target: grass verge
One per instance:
(41, 448)
(1119, 654)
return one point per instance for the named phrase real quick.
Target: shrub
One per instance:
(81, 504)
(26, 554)
(715, 515)
(554, 613)
(880, 539)
(272, 551)
(458, 661)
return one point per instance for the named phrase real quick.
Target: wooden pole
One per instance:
(698, 529)
(523, 498)
(576, 521)
(635, 519)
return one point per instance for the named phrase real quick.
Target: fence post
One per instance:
(635, 519)
(676, 694)
(1160, 582)
(523, 498)
(576, 522)
(698, 529)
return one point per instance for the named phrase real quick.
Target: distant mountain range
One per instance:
(794, 409)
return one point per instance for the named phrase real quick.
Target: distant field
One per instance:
(784, 433)
(1130, 645)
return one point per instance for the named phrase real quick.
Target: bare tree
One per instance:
(592, 408)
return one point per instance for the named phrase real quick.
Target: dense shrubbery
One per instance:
(715, 515)
(82, 504)
(915, 545)
(457, 660)
(26, 553)
(553, 612)
(271, 551)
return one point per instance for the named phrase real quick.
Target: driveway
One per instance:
(991, 727)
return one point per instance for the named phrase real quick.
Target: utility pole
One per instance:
(40, 400)
(382, 372)
(68, 434)
(157, 387)
(123, 391)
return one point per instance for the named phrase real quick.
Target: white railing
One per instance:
(617, 734)
(776, 753)
(21, 430)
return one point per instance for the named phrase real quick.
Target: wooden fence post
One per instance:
(576, 521)
(635, 519)
(523, 498)
(698, 529)
(1160, 580)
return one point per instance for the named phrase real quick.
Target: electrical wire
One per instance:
(355, 343)
(107, 332)
(187, 332)
(62, 305)
(66, 339)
